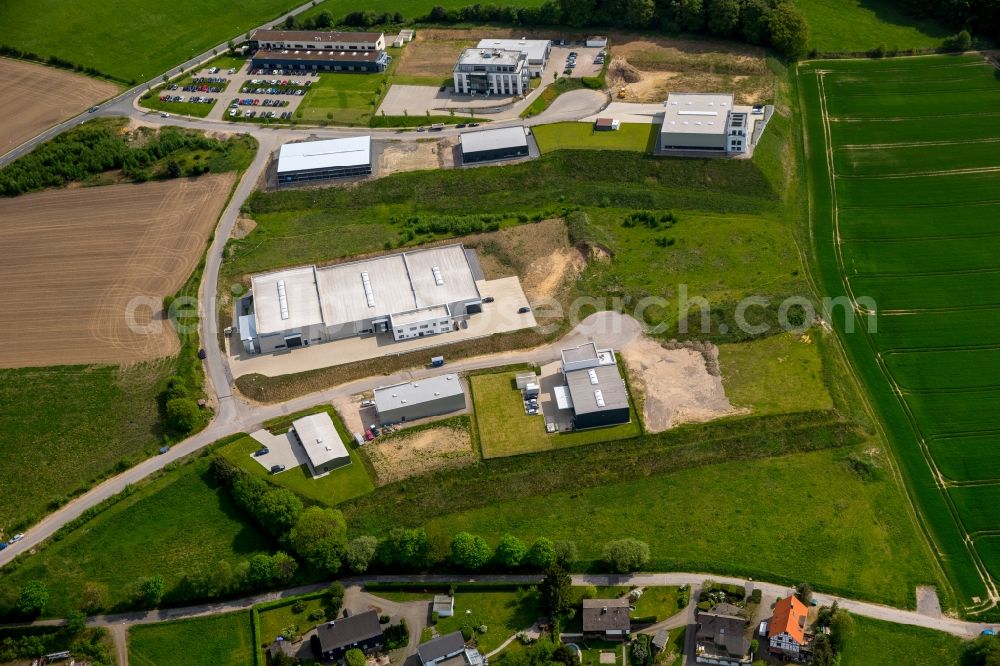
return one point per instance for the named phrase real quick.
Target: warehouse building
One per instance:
(316, 40)
(410, 295)
(323, 160)
(321, 61)
(536, 51)
(703, 122)
(491, 72)
(493, 144)
(594, 389)
(321, 441)
(416, 400)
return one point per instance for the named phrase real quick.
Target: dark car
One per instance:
(473, 124)
(202, 354)
(94, 108)
(277, 468)
(3, 545)
(487, 299)
(524, 309)
(261, 452)
(460, 125)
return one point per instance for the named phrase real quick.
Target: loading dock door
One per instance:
(293, 341)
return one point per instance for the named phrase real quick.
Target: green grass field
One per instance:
(838, 26)
(505, 430)
(899, 644)
(176, 525)
(503, 612)
(64, 424)
(410, 9)
(640, 137)
(661, 602)
(131, 39)
(342, 98)
(184, 108)
(735, 518)
(751, 370)
(215, 640)
(911, 189)
(273, 621)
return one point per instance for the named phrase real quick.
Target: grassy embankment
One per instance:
(216, 640)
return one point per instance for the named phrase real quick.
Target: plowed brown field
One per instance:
(84, 271)
(39, 97)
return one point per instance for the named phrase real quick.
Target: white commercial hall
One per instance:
(410, 294)
(320, 160)
(703, 122)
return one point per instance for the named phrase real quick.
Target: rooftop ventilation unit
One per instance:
(600, 398)
(593, 375)
(282, 299)
(438, 278)
(368, 289)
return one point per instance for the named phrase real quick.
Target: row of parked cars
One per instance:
(203, 87)
(260, 71)
(235, 112)
(272, 91)
(194, 99)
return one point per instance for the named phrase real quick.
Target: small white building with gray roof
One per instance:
(410, 294)
(322, 443)
(418, 399)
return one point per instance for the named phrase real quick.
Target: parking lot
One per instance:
(281, 450)
(256, 94)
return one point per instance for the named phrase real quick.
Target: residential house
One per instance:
(721, 637)
(786, 632)
(449, 650)
(606, 618)
(334, 638)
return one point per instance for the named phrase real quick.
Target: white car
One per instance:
(16, 538)
(164, 115)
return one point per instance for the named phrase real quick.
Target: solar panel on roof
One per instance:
(282, 299)
(369, 296)
(599, 397)
(593, 375)
(438, 279)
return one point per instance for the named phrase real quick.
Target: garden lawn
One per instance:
(214, 640)
(850, 536)
(186, 108)
(503, 612)
(273, 621)
(339, 485)
(133, 40)
(65, 425)
(178, 524)
(752, 370)
(661, 602)
(342, 98)
(899, 644)
(506, 430)
(640, 137)
(838, 26)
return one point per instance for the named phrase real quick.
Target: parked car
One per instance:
(277, 468)
(94, 108)
(17, 537)
(367, 403)
(3, 545)
(460, 125)
(374, 430)
(263, 451)
(522, 310)
(202, 354)
(487, 299)
(473, 124)
(164, 115)
(164, 449)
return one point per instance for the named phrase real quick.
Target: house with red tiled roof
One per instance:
(786, 632)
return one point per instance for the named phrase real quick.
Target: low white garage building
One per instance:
(322, 160)
(703, 122)
(416, 400)
(494, 144)
(321, 441)
(411, 294)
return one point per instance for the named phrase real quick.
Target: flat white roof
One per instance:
(492, 139)
(345, 297)
(534, 49)
(319, 438)
(696, 113)
(388, 398)
(423, 314)
(297, 307)
(478, 56)
(353, 151)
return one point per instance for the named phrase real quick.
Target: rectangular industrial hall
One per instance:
(493, 144)
(418, 399)
(594, 390)
(321, 160)
(410, 295)
(703, 123)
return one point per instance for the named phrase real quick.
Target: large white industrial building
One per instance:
(491, 72)
(411, 294)
(418, 399)
(702, 122)
(321, 160)
(536, 51)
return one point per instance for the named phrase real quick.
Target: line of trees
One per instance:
(980, 17)
(100, 146)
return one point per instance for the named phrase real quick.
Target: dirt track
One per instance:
(74, 259)
(40, 97)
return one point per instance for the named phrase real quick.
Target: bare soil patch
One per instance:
(416, 156)
(243, 227)
(652, 68)
(44, 97)
(403, 455)
(676, 385)
(433, 52)
(86, 270)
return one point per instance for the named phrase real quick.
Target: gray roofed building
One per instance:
(414, 400)
(493, 144)
(318, 39)
(608, 617)
(721, 639)
(441, 648)
(321, 441)
(443, 605)
(596, 390)
(333, 639)
(318, 160)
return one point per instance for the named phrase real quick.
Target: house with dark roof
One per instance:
(449, 650)
(786, 632)
(606, 618)
(334, 638)
(721, 637)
